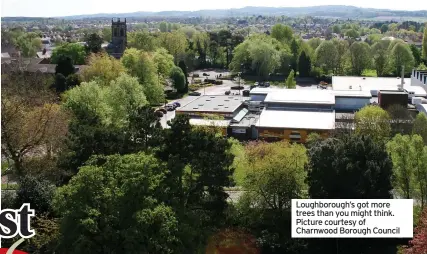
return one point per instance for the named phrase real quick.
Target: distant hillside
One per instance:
(336, 11)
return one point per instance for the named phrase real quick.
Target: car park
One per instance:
(194, 94)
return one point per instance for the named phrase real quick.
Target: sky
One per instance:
(55, 8)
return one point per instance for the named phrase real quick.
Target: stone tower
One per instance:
(118, 38)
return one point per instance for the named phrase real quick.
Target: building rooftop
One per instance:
(247, 121)
(213, 104)
(264, 90)
(374, 84)
(301, 96)
(209, 122)
(351, 93)
(297, 120)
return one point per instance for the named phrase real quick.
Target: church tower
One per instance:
(118, 38)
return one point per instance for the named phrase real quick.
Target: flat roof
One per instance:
(310, 120)
(374, 83)
(209, 122)
(301, 96)
(352, 93)
(212, 104)
(247, 121)
(264, 90)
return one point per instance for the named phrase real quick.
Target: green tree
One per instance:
(380, 54)
(184, 69)
(352, 34)
(164, 63)
(282, 33)
(327, 56)
(290, 82)
(304, 65)
(111, 218)
(373, 121)
(274, 174)
(163, 26)
(141, 65)
(420, 126)
(102, 68)
(295, 49)
(400, 151)
(425, 44)
(64, 66)
(74, 51)
(336, 29)
(178, 79)
(360, 55)
(314, 43)
(175, 42)
(384, 28)
(93, 43)
(142, 41)
(401, 55)
(356, 167)
(106, 34)
(196, 182)
(60, 83)
(343, 54)
(416, 53)
(37, 192)
(72, 81)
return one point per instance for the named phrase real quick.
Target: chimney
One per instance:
(402, 79)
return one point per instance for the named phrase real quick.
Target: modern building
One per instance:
(223, 106)
(118, 43)
(374, 84)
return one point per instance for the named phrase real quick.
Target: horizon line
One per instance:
(277, 7)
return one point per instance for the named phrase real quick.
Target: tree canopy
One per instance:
(76, 52)
(373, 121)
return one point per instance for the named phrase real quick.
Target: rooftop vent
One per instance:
(208, 100)
(212, 97)
(200, 105)
(195, 108)
(230, 97)
(226, 100)
(364, 78)
(216, 108)
(350, 87)
(220, 105)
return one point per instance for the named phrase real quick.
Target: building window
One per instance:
(122, 32)
(115, 32)
(295, 136)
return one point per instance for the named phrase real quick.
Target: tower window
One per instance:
(122, 32)
(115, 33)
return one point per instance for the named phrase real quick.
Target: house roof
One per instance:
(301, 96)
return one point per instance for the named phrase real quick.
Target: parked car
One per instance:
(267, 84)
(177, 104)
(194, 94)
(163, 110)
(158, 113)
(227, 92)
(205, 74)
(246, 93)
(170, 107)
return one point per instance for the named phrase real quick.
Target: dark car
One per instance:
(170, 107)
(246, 93)
(194, 94)
(267, 84)
(227, 92)
(158, 113)
(163, 110)
(205, 74)
(177, 104)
